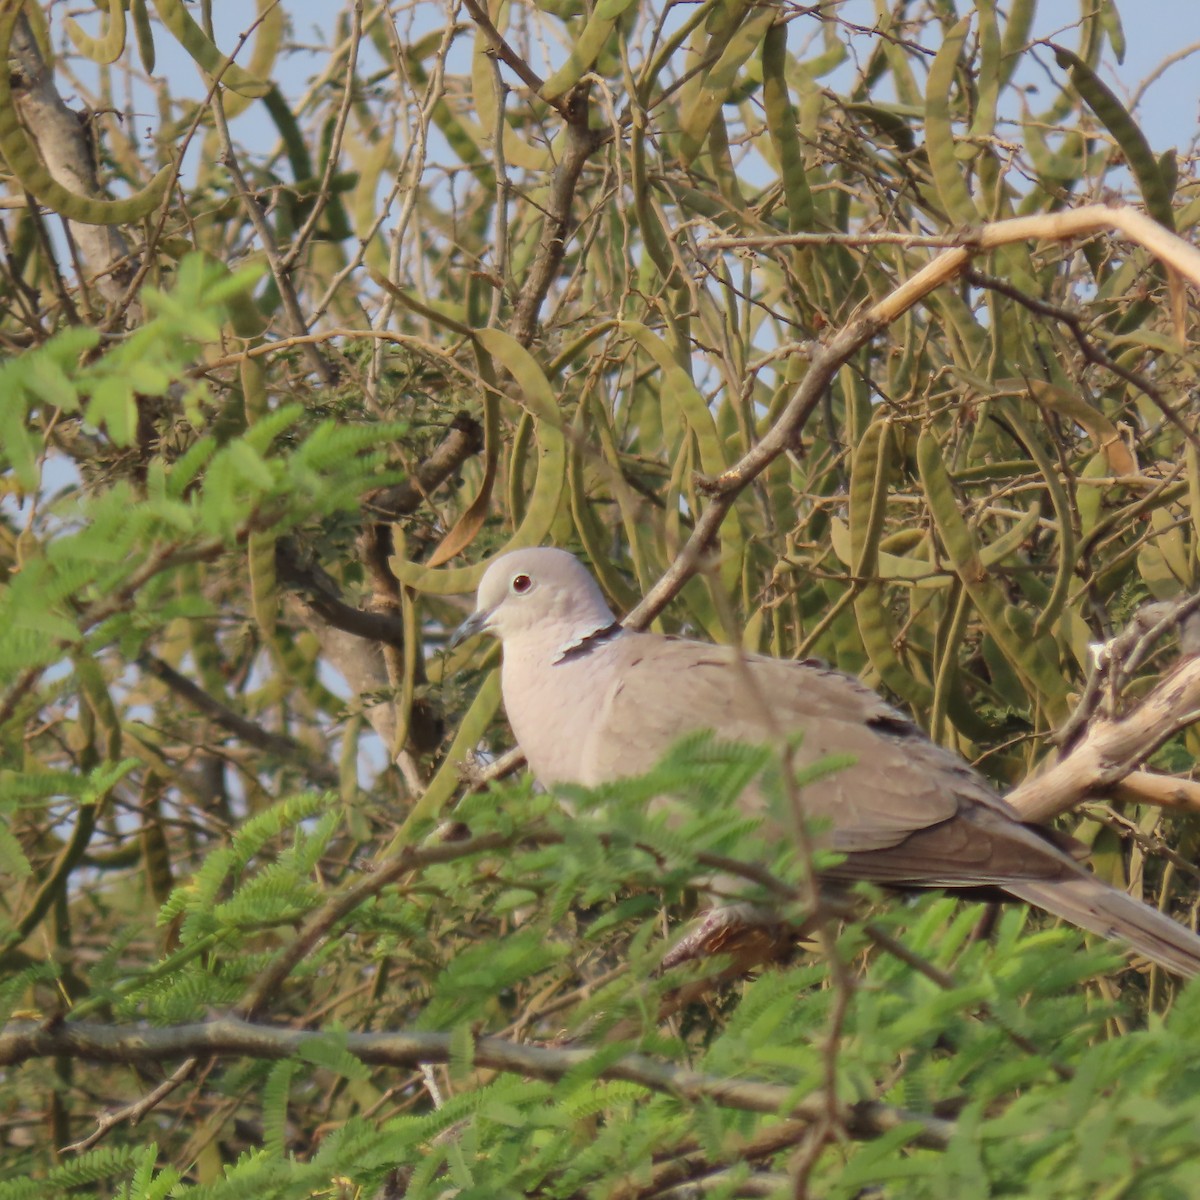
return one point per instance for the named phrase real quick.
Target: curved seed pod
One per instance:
(107, 48)
(199, 640)
(264, 592)
(1060, 166)
(1104, 434)
(1126, 517)
(678, 390)
(895, 57)
(681, 467)
(868, 495)
(987, 78)
(348, 774)
(963, 327)
(678, 387)
(54, 883)
(100, 701)
(445, 782)
(595, 538)
(260, 544)
(588, 47)
(537, 396)
(1016, 36)
(1089, 499)
(574, 349)
(1193, 500)
(39, 26)
(713, 206)
(143, 34)
(720, 18)
(462, 533)
(294, 145)
(1041, 650)
(25, 164)
(950, 636)
(719, 82)
(920, 573)
(868, 505)
(1062, 510)
(855, 395)
(517, 152)
(781, 125)
(156, 852)
(198, 44)
(902, 540)
(410, 655)
(944, 164)
(371, 162)
(1041, 676)
(267, 39)
(723, 170)
(639, 533)
(1166, 563)
(888, 119)
(298, 658)
(518, 457)
(654, 238)
(1125, 130)
(1108, 18)
(245, 317)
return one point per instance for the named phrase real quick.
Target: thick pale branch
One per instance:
(837, 350)
(227, 1037)
(1163, 791)
(961, 246)
(1111, 749)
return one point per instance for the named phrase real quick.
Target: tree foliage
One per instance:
(845, 320)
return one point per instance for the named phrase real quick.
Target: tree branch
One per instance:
(581, 142)
(1112, 748)
(500, 49)
(836, 351)
(277, 744)
(229, 1037)
(464, 440)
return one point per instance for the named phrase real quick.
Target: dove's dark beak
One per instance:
(477, 622)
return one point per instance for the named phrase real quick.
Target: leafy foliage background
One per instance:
(545, 272)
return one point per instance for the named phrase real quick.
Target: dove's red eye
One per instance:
(521, 584)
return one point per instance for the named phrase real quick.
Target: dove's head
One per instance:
(544, 593)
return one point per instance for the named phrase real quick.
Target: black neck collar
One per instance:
(588, 643)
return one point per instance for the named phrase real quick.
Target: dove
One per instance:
(591, 702)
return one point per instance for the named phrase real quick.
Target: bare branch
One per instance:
(229, 1037)
(1112, 748)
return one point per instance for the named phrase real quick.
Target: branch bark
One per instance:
(581, 143)
(1112, 748)
(229, 1037)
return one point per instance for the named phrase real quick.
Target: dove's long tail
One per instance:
(1092, 905)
